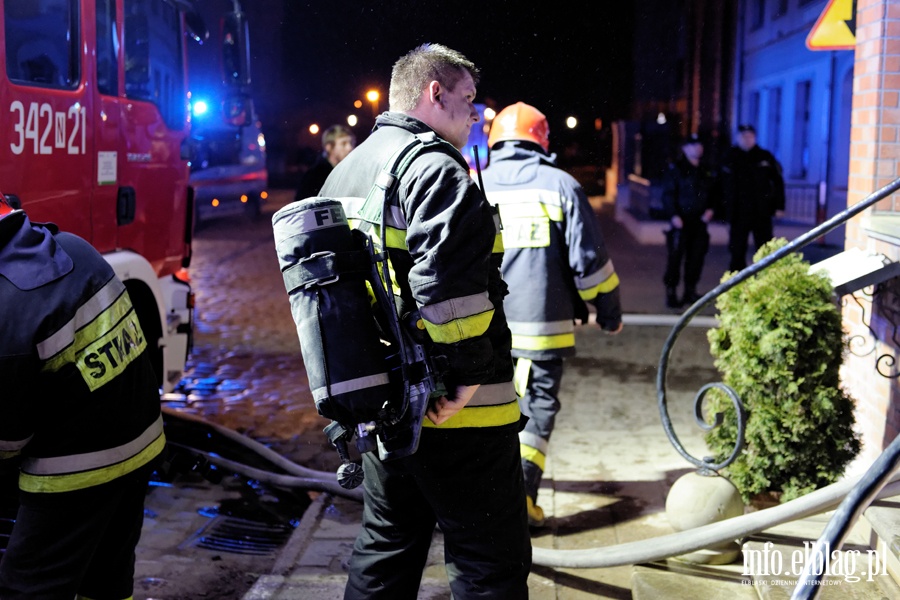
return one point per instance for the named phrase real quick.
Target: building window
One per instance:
(800, 153)
(773, 129)
(153, 58)
(107, 48)
(42, 42)
(781, 8)
(757, 14)
(752, 112)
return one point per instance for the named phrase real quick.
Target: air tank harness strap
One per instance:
(322, 268)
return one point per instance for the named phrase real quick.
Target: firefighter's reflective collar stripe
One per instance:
(79, 471)
(492, 405)
(101, 339)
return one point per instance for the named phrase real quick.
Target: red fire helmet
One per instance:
(520, 121)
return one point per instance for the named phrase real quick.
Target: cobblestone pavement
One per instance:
(244, 373)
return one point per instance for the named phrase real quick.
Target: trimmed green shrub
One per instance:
(780, 345)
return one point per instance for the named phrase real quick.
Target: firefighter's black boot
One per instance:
(690, 296)
(672, 298)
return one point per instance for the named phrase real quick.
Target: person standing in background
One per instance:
(754, 194)
(554, 261)
(687, 198)
(337, 143)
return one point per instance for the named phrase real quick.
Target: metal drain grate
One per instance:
(242, 536)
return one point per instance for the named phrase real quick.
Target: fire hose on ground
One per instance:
(294, 476)
(630, 553)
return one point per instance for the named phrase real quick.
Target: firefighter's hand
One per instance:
(443, 408)
(613, 331)
(677, 223)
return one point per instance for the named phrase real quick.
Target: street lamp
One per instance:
(373, 96)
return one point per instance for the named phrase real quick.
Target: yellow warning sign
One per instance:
(836, 27)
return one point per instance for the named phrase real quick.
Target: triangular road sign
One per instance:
(836, 27)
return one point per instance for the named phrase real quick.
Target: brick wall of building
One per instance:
(874, 163)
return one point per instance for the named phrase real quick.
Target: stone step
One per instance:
(673, 579)
(884, 518)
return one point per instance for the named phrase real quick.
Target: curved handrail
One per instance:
(792, 246)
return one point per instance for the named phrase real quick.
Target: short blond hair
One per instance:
(429, 62)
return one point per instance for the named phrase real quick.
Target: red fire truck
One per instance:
(95, 117)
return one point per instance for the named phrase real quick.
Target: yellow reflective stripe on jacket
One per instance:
(528, 204)
(396, 238)
(95, 306)
(103, 348)
(526, 233)
(549, 335)
(480, 416)
(498, 244)
(493, 404)
(13, 447)
(543, 342)
(68, 473)
(601, 288)
(458, 319)
(521, 376)
(526, 216)
(602, 281)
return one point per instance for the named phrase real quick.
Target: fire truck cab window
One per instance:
(153, 57)
(107, 48)
(42, 41)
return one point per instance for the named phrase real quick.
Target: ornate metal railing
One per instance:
(880, 471)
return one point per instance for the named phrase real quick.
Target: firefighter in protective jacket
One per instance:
(80, 422)
(554, 262)
(440, 233)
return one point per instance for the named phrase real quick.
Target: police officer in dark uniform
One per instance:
(754, 194)
(688, 188)
(80, 423)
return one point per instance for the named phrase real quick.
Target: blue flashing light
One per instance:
(199, 108)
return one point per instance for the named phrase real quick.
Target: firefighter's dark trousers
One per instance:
(689, 246)
(468, 482)
(540, 403)
(739, 234)
(79, 542)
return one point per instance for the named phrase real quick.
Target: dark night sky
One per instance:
(312, 58)
(563, 57)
